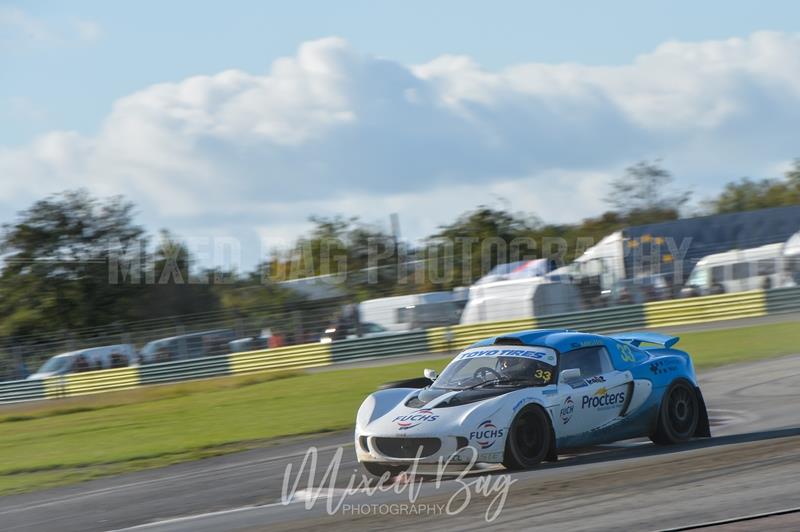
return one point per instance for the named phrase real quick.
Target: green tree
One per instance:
(479, 240)
(749, 194)
(360, 258)
(55, 273)
(644, 194)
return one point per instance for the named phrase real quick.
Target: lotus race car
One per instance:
(520, 398)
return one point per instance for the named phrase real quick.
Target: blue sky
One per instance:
(241, 119)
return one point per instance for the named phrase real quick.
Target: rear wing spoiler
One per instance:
(637, 338)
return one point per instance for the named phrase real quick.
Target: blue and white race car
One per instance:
(520, 398)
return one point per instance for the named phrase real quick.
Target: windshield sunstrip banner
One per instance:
(545, 354)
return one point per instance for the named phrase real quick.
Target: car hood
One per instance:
(393, 413)
(442, 397)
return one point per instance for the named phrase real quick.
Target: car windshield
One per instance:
(152, 347)
(499, 366)
(56, 364)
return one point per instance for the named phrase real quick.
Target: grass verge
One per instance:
(59, 442)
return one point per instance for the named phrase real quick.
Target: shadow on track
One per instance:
(603, 454)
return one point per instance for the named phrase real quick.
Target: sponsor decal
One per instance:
(626, 353)
(415, 418)
(602, 400)
(490, 457)
(566, 410)
(587, 343)
(595, 379)
(486, 434)
(521, 402)
(545, 356)
(659, 367)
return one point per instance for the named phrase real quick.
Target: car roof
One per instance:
(558, 339)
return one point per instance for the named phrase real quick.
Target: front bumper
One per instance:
(432, 449)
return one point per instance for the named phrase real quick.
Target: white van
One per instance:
(791, 257)
(519, 298)
(738, 270)
(410, 312)
(93, 358)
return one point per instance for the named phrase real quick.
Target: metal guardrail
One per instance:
(783, 300)
(706, 309)
(182, 370)
(435, 340)
(598, 320)
(460, 336)
(281, 358)
(17, 391)
(404, 343)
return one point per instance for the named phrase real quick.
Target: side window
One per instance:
(766, 267)
(741, 270)
(793, 264)
(590, 360)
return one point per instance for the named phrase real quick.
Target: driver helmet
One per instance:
(511, 366)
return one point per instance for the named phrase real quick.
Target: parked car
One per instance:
(251, 343)
(93, 358)
(185, 346)
(344, 331)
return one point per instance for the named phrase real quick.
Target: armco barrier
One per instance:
(460, 336)
(706, 309)
(783, 300)
(597, 320)
(404, 343)
(15, 391)
(281, 358)
(93, 382)
(181, 370)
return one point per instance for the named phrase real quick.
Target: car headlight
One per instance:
(365, 412)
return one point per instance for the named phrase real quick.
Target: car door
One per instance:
(597, 397)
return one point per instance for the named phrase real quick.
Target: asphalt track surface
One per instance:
(750, 466)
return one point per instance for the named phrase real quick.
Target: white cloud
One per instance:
(19, 29)
(334, 130)
(87, 30)
(14, 20)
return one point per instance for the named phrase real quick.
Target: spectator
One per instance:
(81, 364)
(118, 360)
(276, 340)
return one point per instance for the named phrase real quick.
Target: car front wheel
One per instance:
(529, 440)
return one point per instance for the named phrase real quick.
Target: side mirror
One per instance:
(430, 374)
(569, 375)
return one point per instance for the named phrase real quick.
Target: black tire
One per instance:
(679, 414)
(529, 440)
(378, 469)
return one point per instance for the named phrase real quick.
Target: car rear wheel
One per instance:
(378, 469)
(529, 440)
(679, 414)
